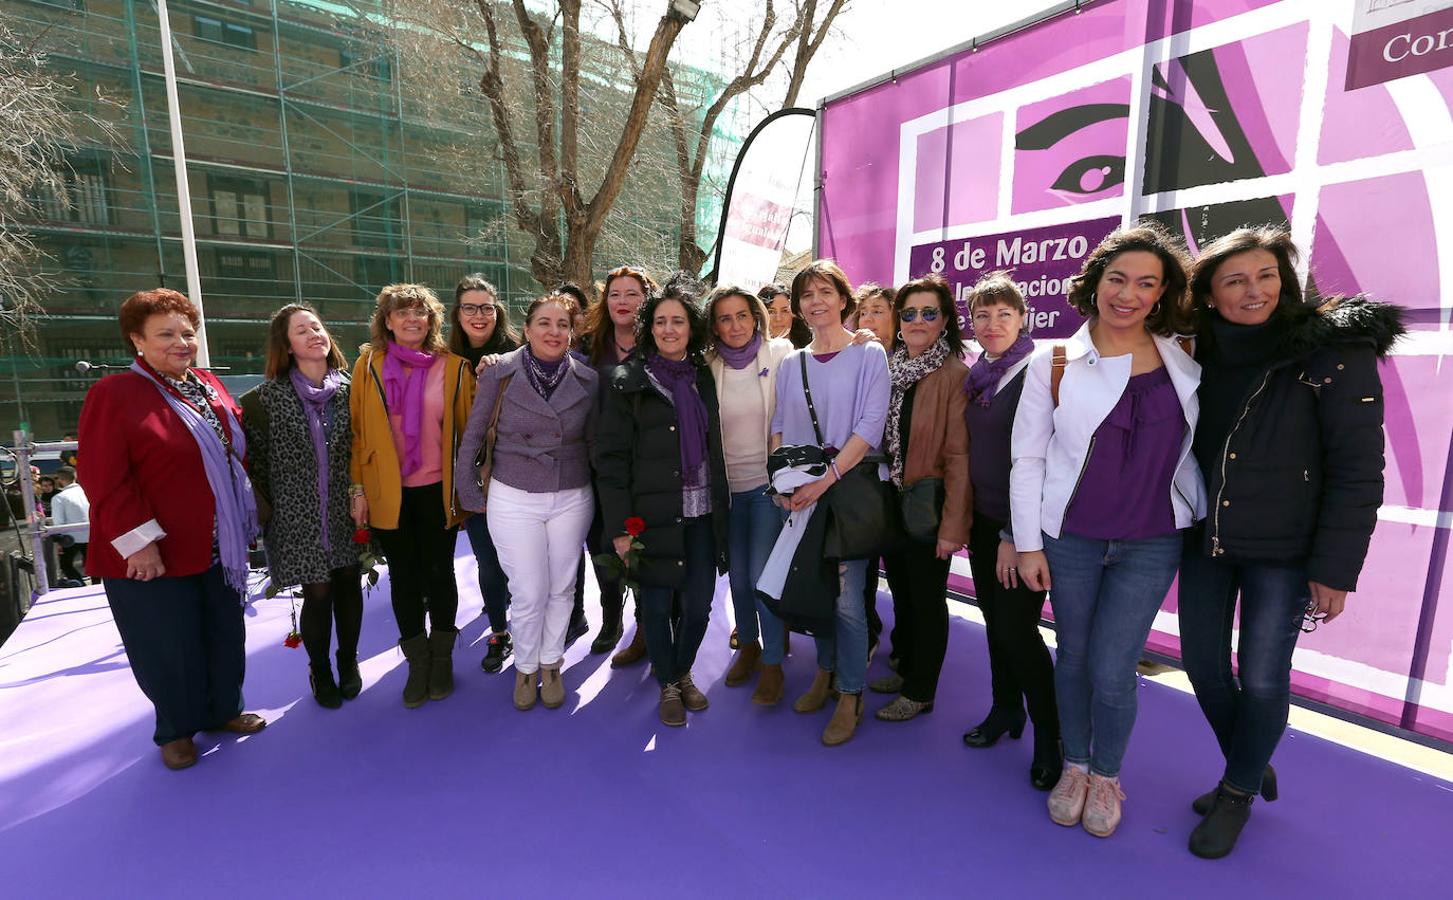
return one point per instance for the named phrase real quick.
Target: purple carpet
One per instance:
(470, 797)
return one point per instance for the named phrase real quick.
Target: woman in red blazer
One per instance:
(172, 517)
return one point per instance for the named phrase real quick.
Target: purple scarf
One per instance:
(231, 489)
(544, 376)
(741, 357)
(983, 380)
(315, 410)
(679, 377)
(405, 396)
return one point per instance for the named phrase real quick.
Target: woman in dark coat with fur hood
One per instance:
(1290, 441)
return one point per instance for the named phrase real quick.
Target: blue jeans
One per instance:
(493, 584)
(752, 531)
(1105, 595)
(1248, 711)
(845, 652)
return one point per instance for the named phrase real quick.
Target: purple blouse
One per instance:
(1124, 490)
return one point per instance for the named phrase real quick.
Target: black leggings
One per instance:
(420, 555)
(1020, 668)
(337, 600)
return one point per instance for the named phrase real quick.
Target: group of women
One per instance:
(670, 428)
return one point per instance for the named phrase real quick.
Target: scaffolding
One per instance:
(316, 176)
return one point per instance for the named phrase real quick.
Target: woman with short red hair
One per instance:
(172, 517)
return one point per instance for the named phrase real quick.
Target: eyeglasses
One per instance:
(477, 309)
(911, 314)
(411, 312)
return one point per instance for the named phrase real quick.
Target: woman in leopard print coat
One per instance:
(294, 419)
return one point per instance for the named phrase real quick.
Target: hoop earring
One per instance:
(900, 336)
(1156, 308)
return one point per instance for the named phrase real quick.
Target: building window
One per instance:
(377, 219)
(84, 196)
(373, 272)
(235, 266)
(221, 31)
(376, 65)
(239, 207)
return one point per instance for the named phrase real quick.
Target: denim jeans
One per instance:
(675, 620)
(845, 652)
(1105, 595)
(1248, 711)
(494, 586)
(752, 531)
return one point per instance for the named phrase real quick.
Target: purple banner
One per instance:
(1041, 261)
(1403, 48)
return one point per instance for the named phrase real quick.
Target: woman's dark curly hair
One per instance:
(685, 290)
(1171, 314)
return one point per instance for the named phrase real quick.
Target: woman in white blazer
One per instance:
(1102, 483)
(743, 363)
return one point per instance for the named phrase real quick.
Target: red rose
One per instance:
(635, 525)
(360, 536)
(293, 641)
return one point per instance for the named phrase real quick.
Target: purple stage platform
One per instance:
(469, 797)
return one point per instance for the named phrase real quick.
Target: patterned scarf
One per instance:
(544, 376)
(983, 381)
(404, 373)
(679, 377)
(904, 374)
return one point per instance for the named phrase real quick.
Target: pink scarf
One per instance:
(404, 373)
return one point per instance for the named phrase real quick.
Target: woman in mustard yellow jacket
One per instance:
(410, 402)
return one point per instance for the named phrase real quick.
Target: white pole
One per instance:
(184, 192)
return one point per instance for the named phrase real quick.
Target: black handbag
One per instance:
(921, 504)
(863, 508)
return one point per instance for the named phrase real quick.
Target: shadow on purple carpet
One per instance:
(469, 797)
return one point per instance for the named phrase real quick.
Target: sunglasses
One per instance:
(1312, 617)
(911, 315)
(477, 309)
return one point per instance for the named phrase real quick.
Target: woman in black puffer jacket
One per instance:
(658, 456)
(1290, 441)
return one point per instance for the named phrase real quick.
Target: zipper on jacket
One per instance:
(1081, 477)
(1216, 549)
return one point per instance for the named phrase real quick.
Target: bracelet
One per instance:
(837, 476)
(355, 490)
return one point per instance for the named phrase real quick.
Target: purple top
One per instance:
(850, 393)
(1124, 489)
(989, 434)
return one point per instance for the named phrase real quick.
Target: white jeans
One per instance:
(538, 537)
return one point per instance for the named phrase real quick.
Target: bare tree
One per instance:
(38, 130)
(692, 125)
(565, 164)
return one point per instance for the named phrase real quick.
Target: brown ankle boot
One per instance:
(769, 686)
(633, 653)
(816, 696)
(552, 689)
(745, 666)
(844, 721)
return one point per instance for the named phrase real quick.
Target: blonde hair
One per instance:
(408, 296)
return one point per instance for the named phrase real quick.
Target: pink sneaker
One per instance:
(1067, 800)
(1102, 810)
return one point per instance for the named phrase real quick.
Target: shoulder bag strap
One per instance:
(1057, 363)
(486, 453)
(811, 410)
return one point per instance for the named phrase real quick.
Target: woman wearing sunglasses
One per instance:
(928, 451)
(1290, 440)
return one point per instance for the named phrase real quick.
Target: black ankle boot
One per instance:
(1048, 762)
(350, 680)
(325, 689)
(998, 721)
(1216, 835)
(1203, 803)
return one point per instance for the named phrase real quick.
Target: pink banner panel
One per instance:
(1238, 128)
